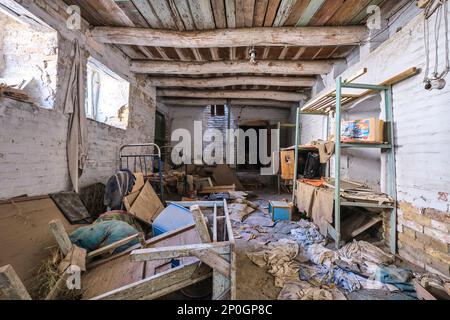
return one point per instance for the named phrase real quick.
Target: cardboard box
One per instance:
(369, 130)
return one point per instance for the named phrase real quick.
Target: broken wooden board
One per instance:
(121, 271)
(25, 237)
(223, 175)
(11, 287)
(217, 189)
(147, 205)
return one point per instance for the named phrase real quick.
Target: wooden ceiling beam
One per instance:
(199, 102)
(231, 81)
(233, 94)
(213, 67)
(242, 37)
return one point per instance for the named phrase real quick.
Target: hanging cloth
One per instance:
(77, 146)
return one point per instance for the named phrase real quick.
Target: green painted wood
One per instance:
(365, 146)
(297, 142)
(337, 163)
(363, 86)
(310, 11)
(360, 17)
(391, 175)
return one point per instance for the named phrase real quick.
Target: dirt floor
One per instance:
(253, 282)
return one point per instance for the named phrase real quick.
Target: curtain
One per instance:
(77, 146)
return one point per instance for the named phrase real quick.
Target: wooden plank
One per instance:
(61, 236)
(202, 14)
(164, 14)
(185, 14)
(223, 175)
(271, 13)
(158, 285)
(218, 7)
(214, 260)
(25, 236)
(284, 11)
(231, 81)
(297, 12)
(147, 205)
(260, 12)
(198, 102)
(200, 224)
(240, 18)
(233, 256)
(215, 224)
(113, 246)
(326, 12)
(231, 13)
(299, 67)
(310, 11)
(233, 94)
(347, 12)
(11, 287)
(179, 251)
(249, 9)
(241, 37)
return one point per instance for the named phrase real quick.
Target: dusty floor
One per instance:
(254, 283)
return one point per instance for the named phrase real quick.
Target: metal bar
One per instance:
(332, 232)
(161, 180)
(205, 204)
(363, 86)
(297, 142)
(337, 163)
(391, 176)
(279, 157)
(365, 145)
(365, 205)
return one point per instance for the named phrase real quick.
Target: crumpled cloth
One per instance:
(279, 258)
(361, 252)
(302, 290)
(306, 234)
(326, 149)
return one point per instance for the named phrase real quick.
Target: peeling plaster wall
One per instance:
(33, 157)
(29, 54)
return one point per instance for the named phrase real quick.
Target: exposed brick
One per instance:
(437, 215)
(441, 226)
(438, 235)
(408, 241)
(411, 258)
(409, 232)
(411, 224)
(438, 264)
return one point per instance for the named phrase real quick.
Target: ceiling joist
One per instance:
(231, 81)
(199, 102)
(233, 94)
(242, 37)
(261, 67)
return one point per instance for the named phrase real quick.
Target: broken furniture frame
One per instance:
(139, 161)
(218, 255)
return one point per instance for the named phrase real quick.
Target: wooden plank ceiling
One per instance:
(196, 15)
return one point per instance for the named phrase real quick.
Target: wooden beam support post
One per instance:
(61, 236)
(301, 68)
(226, 38)
(11, 287)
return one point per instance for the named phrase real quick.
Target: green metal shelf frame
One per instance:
(335, 232)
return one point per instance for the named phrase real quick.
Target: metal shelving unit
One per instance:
(335, 231)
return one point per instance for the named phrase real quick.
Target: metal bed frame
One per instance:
(139, 161)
